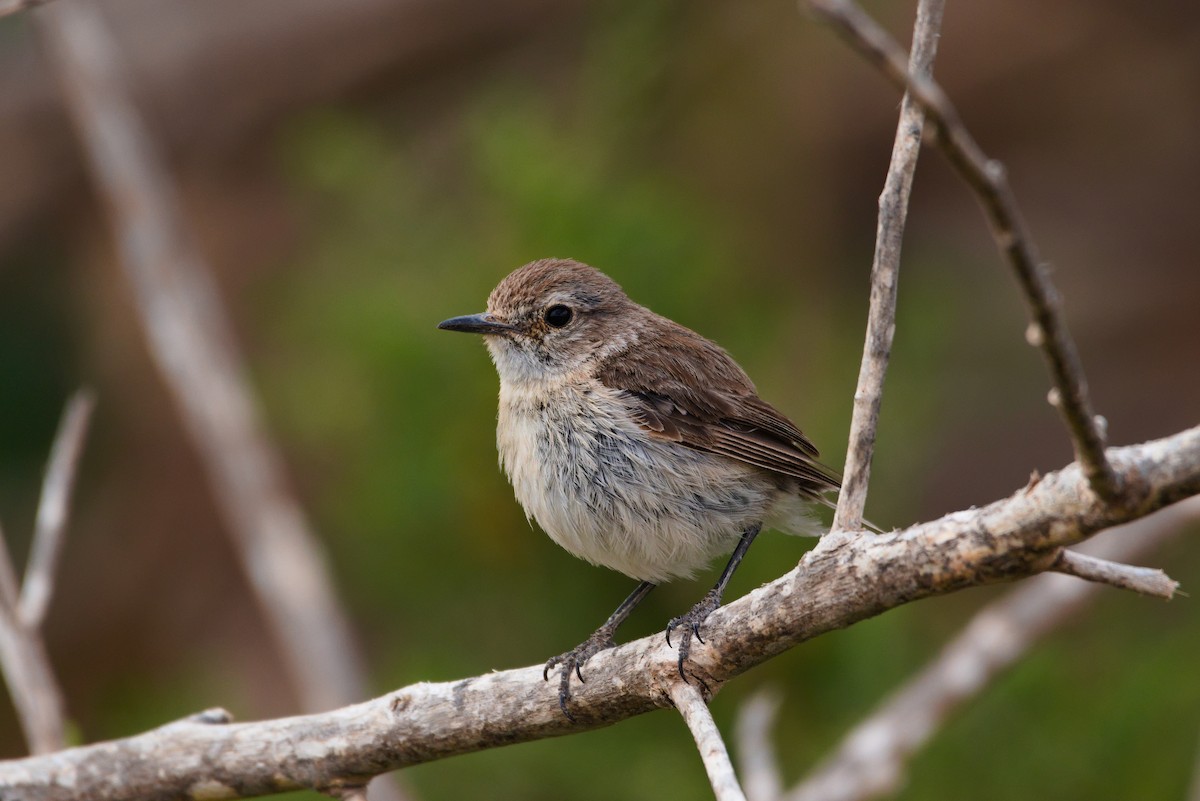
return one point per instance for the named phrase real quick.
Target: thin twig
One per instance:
(193, 344)
(10, 590)
(696, 714)
(987, 179)
(758, 762)
(1144, 580)
(13, 6)
(37, 587)
(885, 277)
(871, 759)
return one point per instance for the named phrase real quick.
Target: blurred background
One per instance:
(355, 172)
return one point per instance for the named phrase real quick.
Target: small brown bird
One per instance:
(636, 443)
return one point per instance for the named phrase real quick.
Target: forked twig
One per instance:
(26, 667)
(987, 179)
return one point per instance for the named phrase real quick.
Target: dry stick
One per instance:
(757, 761)
(834, 587)
(38, 585)
(987, 179)
(193, 344)
(871, 759)
(31, 683)
(885, 277)
(696, 714)
(1143, 580)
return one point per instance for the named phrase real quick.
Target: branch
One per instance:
(26, 667)
(843, 580)
(1143, 580)
(885, 277)
(13, 6)
(53, 509)
(193, 345)
(696, 714)
(987, 179)
(757, 760)
(872, 758)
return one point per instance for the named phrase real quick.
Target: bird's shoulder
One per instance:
(682, 387)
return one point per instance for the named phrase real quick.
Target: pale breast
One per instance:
(607, 493)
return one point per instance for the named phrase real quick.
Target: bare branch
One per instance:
(13, 6)
(843, 580)
(757, 761)
(10, 592)
(1144, 580)
(31, 683)
(193, 345)
(696, 714)
(987, 179)
(871, 759)
(885, 277)
(37, 587)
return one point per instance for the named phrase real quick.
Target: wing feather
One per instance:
(693, 393)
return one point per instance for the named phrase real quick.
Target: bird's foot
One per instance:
(689, 626)
(572, 662)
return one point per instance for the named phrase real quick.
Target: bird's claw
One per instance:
(689, 625)
(572, 662)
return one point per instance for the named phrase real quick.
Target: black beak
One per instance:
(476, 324)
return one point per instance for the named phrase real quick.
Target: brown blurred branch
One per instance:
(27, 670)
(194, 347)
(13, 6)
(885, 276)
(872, 758)
(757, 760)
(986, 178)
(843, 580)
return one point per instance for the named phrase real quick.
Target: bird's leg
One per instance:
(572, 661)
(690, 623)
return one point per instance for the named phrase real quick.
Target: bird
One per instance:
(635, 443)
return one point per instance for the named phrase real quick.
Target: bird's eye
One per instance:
(558, 315)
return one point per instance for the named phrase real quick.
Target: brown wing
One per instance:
(690, 391)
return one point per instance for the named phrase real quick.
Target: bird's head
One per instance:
(550, 319)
